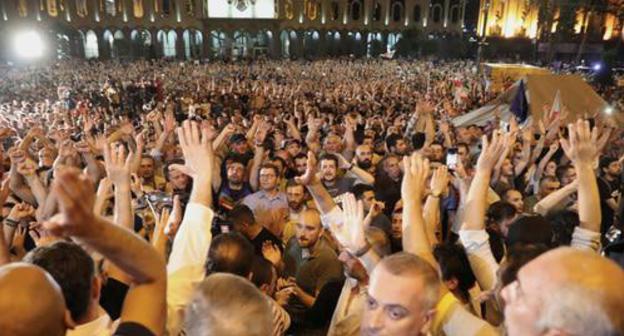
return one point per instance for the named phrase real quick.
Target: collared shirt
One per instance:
(269, 211)
(101, 326)
(348, 314)
(311, 270)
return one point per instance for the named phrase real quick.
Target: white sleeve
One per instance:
(334, 216)
(186, 263)
(482, 262)
(584, 239)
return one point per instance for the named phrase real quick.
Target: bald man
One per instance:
(31, 302)
(566, 292)
(310, 260)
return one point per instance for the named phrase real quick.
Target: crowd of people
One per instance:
(300, 198)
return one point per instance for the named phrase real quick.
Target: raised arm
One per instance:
(527, 136)
(476, 203)
(545, 205)
(145, 301)
(118, 171)
(439, 185)
(582, 150)
(190, 246)
(324, 202)
(416, 170)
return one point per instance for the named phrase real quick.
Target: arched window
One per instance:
(110, 8)
(436, 13)
(397, 11)
(81, 8)
(335, 11)
(52, 8)
(91, 45)
(454, 14)
(377, 12)
(166, 7)
(356, 10)
(190, 7)
(416, 13)
(22, 8)
(137, 7)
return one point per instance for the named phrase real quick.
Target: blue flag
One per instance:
(520, 106)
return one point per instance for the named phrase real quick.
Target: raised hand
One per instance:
(175, 218)
(117, 164)
(21, 211)
(271, 253)
(581, 146)
(82, 148)
(350, 234)
(491, 151)
(75, 197)
(439, 181)
(170, 123)
(416, 171)
(310, 176)
(197, 148)
(27, 168)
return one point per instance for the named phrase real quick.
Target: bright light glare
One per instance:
(609, 110)
(28, 44)
(597, 66)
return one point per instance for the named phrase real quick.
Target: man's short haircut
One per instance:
(226, 304)
(268, 165)
(392, 140)
(293, 183)
(358, 190)
(301, 156)
(230, 253)
(241, 214)
(548, 179)
(407, 264)
(454, 263)
(329, 157)
(72, 268)
(562, 170)
(262, 271)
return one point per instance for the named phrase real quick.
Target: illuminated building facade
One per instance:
(517, 18)
(192, 29)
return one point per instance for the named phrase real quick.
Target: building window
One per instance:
(190, 7)
(335, 11)
(416, 13)
(377, 12)
(91, 45)
(397, 11)
(81, 8)
(137, 8)
(356, 10)
(454, 14)
(436, 13)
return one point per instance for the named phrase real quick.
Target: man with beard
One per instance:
(311, 261)
(366, 194)
(364, 158)
(338, 185)
(388, 183)
(610, 188)
(396, 145)
(235, 188)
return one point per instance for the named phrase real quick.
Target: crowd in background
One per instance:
(302, 198)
